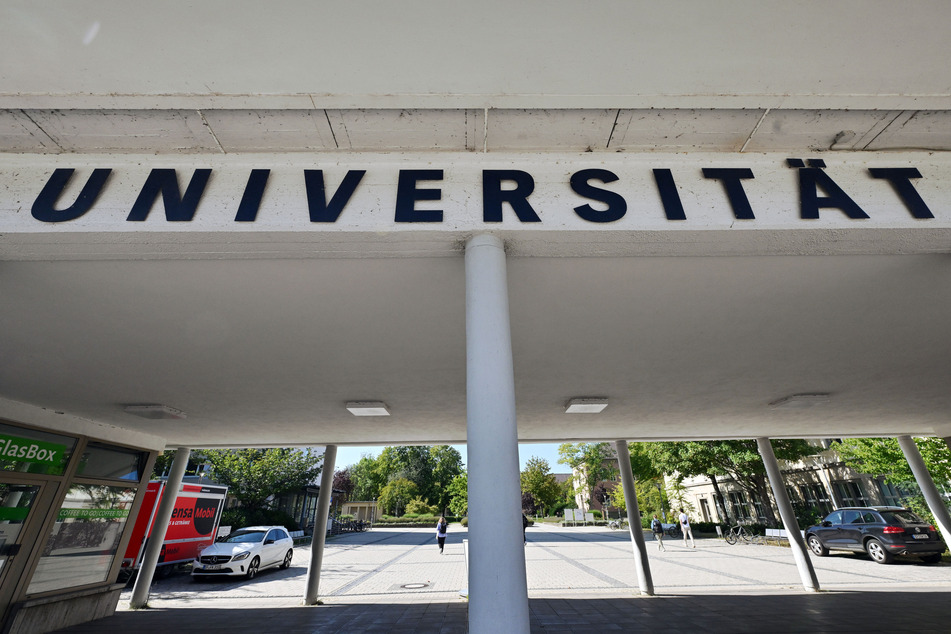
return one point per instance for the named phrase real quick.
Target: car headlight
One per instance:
(241, 556)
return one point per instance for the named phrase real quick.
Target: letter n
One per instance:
(164, 182)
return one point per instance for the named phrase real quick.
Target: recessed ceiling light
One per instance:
(155, 412)
(586, 405)
(800, 401)
(368, 408)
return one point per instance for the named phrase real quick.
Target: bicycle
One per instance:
(616, 524)
(740, 533)
(673, 531)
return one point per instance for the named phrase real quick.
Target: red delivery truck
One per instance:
(193, 525)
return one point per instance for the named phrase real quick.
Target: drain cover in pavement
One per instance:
(414, 586)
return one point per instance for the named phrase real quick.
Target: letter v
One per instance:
(320, 211)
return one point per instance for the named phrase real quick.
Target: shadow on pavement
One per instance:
(741, 613)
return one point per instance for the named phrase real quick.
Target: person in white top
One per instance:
(685, 527)
(441, 527)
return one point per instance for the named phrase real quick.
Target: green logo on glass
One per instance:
(25, 449)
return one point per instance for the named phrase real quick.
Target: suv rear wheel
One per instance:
(877, 551)
(933, 558)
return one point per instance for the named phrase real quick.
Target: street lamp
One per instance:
(663, 512)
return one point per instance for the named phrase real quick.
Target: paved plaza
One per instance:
(580, 580)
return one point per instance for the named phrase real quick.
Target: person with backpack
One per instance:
(441, 527)
(658, 529)
(685, 527)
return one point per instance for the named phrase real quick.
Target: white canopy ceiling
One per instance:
(262, 339)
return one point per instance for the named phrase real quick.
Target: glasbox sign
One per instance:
(27, 450)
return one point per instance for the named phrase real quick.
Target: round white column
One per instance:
(926, 483)
(320, 525)
(153, 548)
(498, 589)
(641, 563)
(796, 543)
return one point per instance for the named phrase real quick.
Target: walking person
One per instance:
(441, 527)
(658, 529)
(685, 528)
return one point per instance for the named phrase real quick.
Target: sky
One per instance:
(351, 455)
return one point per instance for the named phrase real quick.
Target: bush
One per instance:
(597, 514)
(418, 506)
(465, 521)
(703, 527)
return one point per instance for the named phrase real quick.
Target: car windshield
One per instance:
(901, 517)
(244, 537)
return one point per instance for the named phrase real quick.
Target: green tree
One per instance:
(537, 480)
(163, 463)
(591, 463)
(651, 497)
(883, 456)
(459, 495)
(255, 476)
(739, 459)
(396, 495)
(446, 466)
(368, 479)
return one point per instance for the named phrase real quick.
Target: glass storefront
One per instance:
(83, 544)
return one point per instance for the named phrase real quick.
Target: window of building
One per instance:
(33, 451)
(738, 506)
(890, 495)
(82, 545)
(816, 496)
(113, 463)
(705, 510)
(852, 493)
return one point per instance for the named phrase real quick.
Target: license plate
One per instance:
(921, 536)
(213, 567)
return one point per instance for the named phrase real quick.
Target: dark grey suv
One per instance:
(880, 531)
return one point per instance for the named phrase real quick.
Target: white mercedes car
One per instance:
(246, 551)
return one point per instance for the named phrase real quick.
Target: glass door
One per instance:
(21, 513)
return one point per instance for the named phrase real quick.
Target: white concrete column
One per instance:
(796, 543)
(927, 486)
(498, 588)
(143, 581)
(320, 525)
(641, 564)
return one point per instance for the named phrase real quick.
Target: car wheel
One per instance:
(253, 568)
(876, 550)
(932, 558)
(816, 547)
(287, 560)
